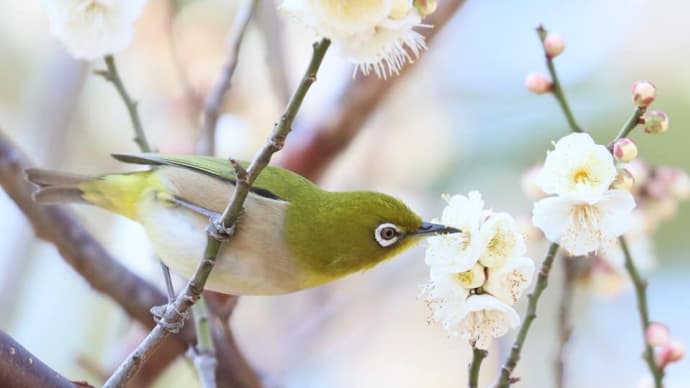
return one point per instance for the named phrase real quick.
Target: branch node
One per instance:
(218, 230)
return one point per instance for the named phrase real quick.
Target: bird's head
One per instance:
(345, 232)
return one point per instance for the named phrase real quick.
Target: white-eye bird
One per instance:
(293, 235)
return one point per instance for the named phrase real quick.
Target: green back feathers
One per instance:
(272, 182)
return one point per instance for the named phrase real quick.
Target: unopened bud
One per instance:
(655, 121)
(672, 352)
(643, 93)
(538, 83)
(624, 149)
(554, 44)
(425, 7)
(657, 334)
(624, 180)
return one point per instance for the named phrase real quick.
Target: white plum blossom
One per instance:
(485, 318)
(91, 29)
(458, 252)
(577, 164)
(375, 35)
(584, 223)
(508, 282)
(477, 274)
(585, 215)
(500, 237)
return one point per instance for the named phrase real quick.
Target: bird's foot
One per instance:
(159, 313)
(218, 230)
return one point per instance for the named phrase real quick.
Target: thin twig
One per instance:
(21, 369)
(204, 355)
(565, 329)
(220, 229)
(215, 99)
(542, 281)
(112, 75)
(556, 89)
(629, 125)
(478, 355)
(641, 293)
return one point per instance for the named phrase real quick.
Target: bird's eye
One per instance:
(386, 234)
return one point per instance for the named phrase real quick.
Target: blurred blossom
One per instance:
(374, 35)
(475, 303)
(91, 29)
(529, 183)
(672, 352)
(608, 275)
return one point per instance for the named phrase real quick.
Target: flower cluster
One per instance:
(478, 274)
(584, 214)
(375, 35)
(91, 29)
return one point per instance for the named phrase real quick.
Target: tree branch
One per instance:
(570, 271)
(312, 149)
(215, 99)
(542, 281)
(21, 369)
(478, 355)
(641, 293)
(221, 229)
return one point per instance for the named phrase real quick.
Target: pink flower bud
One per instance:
(554, 44)
(655, 121)
(672, 352)
(658, 334)
(624, 180)
(624, 150)
(538, 83)
(643, 93)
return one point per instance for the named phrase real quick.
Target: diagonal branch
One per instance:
(220, 230)
(21, 369)
(312, 149)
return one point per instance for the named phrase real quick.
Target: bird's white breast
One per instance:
(255, 261)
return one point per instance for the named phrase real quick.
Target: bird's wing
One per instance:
(272, 183)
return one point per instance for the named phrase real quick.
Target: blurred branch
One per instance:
(542, 281)
(570, 272)
(629, 125)
(641, 293)
(478, 355)
(203, 355)
(221, 229)
(311, 149)
(556, 89)
(272, 28)
(21, 369)
(103, 272)
(215, 99)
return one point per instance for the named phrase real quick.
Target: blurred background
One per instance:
(461, 119)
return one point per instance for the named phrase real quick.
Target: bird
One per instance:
(292, 235)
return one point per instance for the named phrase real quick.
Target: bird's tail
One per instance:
(118, 193)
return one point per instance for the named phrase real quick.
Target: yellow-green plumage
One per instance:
(292, 236)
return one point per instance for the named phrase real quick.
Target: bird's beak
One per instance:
(427, 228)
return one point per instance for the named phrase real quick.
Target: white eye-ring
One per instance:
(386, 234)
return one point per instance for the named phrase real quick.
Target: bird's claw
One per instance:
(159, 313)
(218, 230)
